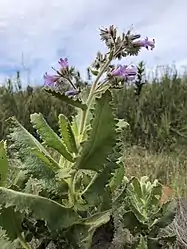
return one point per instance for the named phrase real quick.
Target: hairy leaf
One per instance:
(101, 138)
(56, 215)
(25, 142)
(3, 164)
(81, 235)
(117, 178)
(63, 97)
(45, 158)
(11, 222)
(5, 242)
(50, 138)
(97, 191)
(67, 134)
(131, 222)
(168, 212)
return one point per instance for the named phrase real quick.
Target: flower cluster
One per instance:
(63, 73)
(124, 44)
(125, 72)
(118, 46)
(50, 80)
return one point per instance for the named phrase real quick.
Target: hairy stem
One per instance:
(91, 182)
(91, 93)
(23, 242)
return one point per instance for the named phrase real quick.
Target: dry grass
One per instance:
(170, 169)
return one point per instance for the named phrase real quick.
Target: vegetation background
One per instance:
(155, 142)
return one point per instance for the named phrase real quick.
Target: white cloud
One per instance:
(44, 30)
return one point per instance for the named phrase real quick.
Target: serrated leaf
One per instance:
(117, 178)
(102, 136)
(5, 242)
(11, 222)
(123, 194)
(45, 158)
(96, 192)
(21, 179)
(97, 219)
(3, 164)
(56, 215)
(65, 173)
(168, 238)
(63, 97)
(131, 222)
(50, 138)
(74, 126)
(67, 134)
(168, 215)
(29, 139)
(81, 235)
(137, 188)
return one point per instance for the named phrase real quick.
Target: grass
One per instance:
(169, 168)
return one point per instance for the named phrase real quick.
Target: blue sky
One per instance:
(38, 32)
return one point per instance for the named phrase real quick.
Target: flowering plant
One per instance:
(63, 189)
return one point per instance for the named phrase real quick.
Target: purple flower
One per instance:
(63, 63)
(146, 43)
(124, 71)
(72, 93)
(49, 80)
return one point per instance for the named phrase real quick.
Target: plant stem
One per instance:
(71, 194)
(23, 242)
(83, 120)
(91, 182)
(91, 93)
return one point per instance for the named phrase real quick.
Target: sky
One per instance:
(34, 34)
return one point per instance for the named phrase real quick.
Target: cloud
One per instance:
(44, 30)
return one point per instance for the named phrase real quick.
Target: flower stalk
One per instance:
(92, 91)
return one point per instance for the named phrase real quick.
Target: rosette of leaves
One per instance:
(144, 217)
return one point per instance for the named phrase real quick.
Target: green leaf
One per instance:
(65, 173)
(63, 97)
(3, 164)
(5, 242)
(23, 138)
(123, 194)
(168, 215)
(67, 134)
(97, 190)
(131, 222)
(142, 243)
(45, 158)
(137, 188)
(169, 239)
(102, 136)
(11, 222)
(153, 243)
(93, 71)
(81, 235)
(74, 126)
(97, 219)
(50, 138)
(56, 215)
(117, 178)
